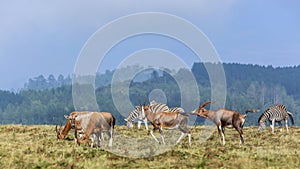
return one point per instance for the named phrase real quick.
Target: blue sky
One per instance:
(45, 37)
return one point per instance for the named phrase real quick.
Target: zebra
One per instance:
(136, 114)
(176, 109)
(274, 114)
(154, 107)
(173, 109)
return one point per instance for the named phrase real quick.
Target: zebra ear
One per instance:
(125, 119)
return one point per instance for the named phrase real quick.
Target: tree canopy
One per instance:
(46, 100)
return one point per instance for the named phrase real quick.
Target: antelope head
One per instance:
(201, 110)
(72, 120)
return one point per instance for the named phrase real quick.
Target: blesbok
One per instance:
(77, 120)
(167, 120)
(61, 134)
(94, 123)
(224, 118)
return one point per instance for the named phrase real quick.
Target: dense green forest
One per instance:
(46, 100)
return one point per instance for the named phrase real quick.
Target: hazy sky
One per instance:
(45, 37)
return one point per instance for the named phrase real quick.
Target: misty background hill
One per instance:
(44, 100)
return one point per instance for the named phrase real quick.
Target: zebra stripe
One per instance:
(176, 109)
(134, 115)
(164, 108)
(137, 114)
(274, 114)
(154, 107)
(159, 107)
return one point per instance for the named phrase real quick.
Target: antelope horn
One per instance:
(206, 103)
(139, 100)
(56, 129)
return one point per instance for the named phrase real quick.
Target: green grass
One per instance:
(37, 147)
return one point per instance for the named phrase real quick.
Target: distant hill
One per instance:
(45, 101)
(288, 77)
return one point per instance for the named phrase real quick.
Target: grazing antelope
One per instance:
(166, 120)
(223, 118)
(79, 120)
(61, 134)
(274, 114)
(94, 124)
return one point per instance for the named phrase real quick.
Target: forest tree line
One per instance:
(46, 100)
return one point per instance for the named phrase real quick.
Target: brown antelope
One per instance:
(61, 134)
(71, 123)
(79, 120)
(94, 123)
(167, 120)
(223, 118)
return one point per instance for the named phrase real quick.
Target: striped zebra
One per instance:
(176, 109)
(274, 114)
(173, 109)
(136, 114)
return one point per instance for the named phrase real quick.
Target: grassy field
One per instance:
(37, 147)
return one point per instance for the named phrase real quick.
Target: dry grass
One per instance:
(37, 147)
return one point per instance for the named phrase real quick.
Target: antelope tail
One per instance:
(250, 111)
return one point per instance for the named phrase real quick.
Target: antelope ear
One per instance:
(125, 119)
(66, 116)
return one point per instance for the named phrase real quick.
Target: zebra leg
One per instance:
(280, 126)
(146, 124)
(286, 125)
(273, 125)
(139, 124)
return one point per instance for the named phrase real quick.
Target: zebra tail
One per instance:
(292, 117)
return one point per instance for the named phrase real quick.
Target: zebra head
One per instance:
(135, 114)
(129, 123)
(262, 126)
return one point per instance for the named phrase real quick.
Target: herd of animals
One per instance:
(93, 125)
